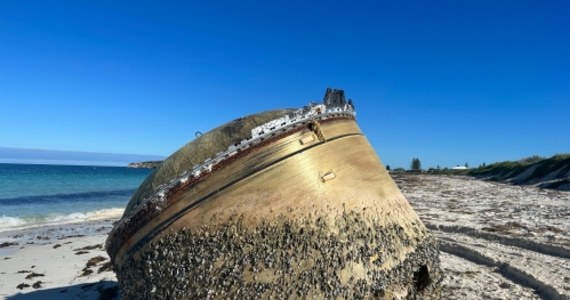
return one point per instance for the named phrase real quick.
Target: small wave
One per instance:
(10, 222)
(64, 197)
(13, 223)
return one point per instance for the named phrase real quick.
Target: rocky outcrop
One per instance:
(145, 164)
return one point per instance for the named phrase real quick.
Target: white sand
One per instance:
(498, 241)
(61, 266)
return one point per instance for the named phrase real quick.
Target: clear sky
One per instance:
(445, 81)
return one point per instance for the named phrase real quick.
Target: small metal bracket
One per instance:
(307, 140)
(328, 176)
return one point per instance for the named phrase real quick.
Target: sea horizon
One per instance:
(49, 194)
(12, 155)
(64, 163)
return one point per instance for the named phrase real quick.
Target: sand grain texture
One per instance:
(498, 241)
(43, 271)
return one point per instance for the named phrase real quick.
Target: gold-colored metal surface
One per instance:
(235, 172)
(288, 178)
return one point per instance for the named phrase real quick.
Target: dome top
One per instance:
(197, 151)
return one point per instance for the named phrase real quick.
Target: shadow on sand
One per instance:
(104, 290)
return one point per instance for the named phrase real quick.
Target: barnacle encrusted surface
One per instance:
(352, 258)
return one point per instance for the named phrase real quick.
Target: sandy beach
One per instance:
(57, 262)
(498, 241)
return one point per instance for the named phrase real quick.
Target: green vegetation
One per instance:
(552, 172)
(509, 169)
(416, 165)
(532, 159)
(499, 171)
(559, 161)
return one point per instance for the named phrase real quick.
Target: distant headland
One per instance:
(145, 164)
(59, 157)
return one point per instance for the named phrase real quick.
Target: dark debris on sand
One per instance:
(22, 286)
(91, 247)
(34, 274)
(91, 263)
(71, 236)
(106, 267)
(86, 271)
(8, 244)
(94, 261)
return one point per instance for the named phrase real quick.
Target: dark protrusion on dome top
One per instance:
(334, 98)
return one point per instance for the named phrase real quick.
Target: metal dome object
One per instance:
(289, 203)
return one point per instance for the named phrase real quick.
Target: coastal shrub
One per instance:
(543, 167)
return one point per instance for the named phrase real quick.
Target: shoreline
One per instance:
(57, 262)
(16, 224)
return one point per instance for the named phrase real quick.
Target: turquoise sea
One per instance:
(35, 195)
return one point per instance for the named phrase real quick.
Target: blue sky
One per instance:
(445, 81)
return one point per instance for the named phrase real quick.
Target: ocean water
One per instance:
(36, 195)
